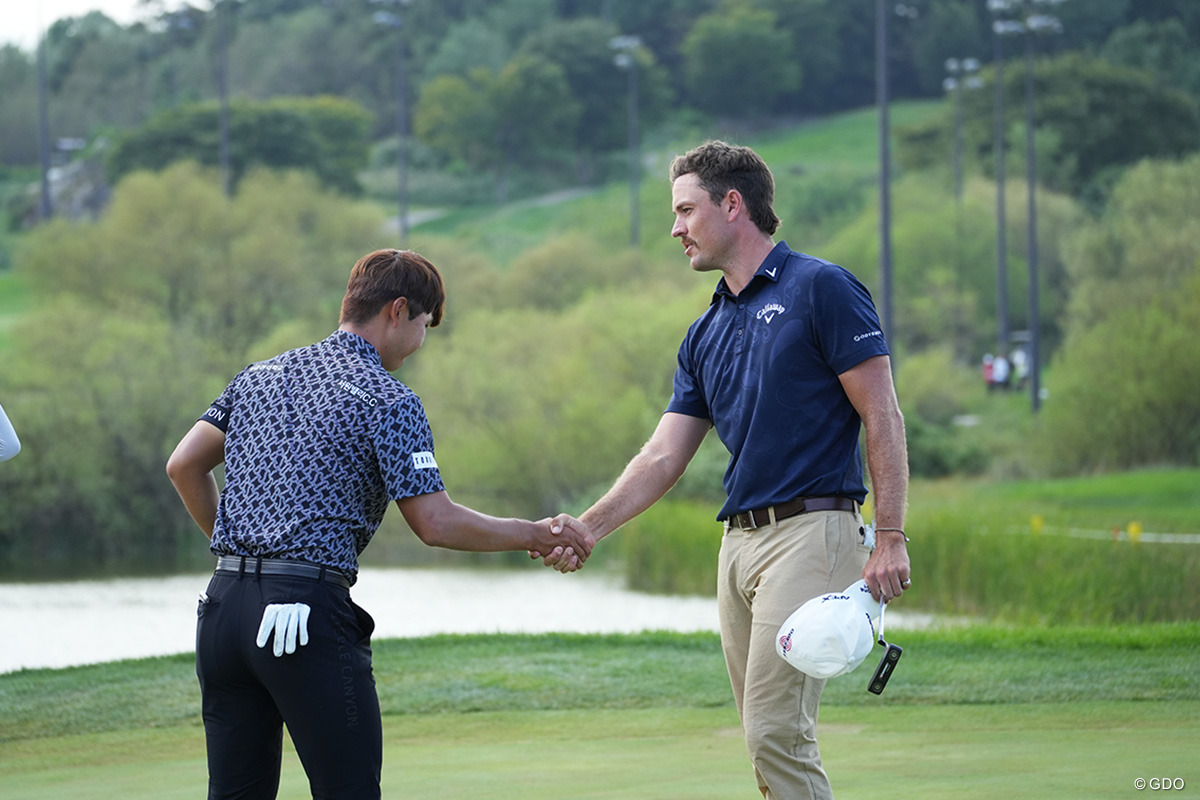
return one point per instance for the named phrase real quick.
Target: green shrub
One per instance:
(672, 548)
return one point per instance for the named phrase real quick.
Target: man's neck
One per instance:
(746, 262)
(363, 331)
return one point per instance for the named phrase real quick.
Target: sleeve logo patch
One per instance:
(354, 391)
(424, 460)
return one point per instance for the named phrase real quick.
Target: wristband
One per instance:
(895, 530)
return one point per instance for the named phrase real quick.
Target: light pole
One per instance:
(1030, 25)
(626, 47)
(882, 101)
(223, 96)
(885, 166)
(395, 19)
(1000, 29)
(46, 205)
(960, 75)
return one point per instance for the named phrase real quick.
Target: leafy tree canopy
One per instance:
(732, 62)
(326, 135)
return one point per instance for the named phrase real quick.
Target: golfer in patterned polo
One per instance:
(316, 442)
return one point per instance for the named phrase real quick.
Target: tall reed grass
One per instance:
(1003, 551)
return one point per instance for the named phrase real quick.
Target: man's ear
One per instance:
(732, 203)
(398, 310)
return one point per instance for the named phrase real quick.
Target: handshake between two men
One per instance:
(576, 546)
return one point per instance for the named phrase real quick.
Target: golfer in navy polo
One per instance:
(316, 443)
(788, 364)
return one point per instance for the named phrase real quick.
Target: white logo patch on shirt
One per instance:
(424, 460)
(770, 310)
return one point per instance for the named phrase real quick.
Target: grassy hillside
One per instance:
(845, 146)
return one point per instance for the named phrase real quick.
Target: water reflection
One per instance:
(87, 622)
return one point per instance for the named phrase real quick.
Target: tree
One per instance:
(18, 106)
(1146, 244)
(1124, 388)
(226, 270)
(138, 320)
(578, 391)
(326, 135)
(453, 115)
(468, 45)
(1125, 394)
(494, 121)
(739, 63)
(1096, 117)
(944, 275)
(581, 48)
(1161, 48)
(101, 398)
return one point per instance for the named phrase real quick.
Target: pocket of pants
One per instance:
(366, 622)
(844, 547)
(208, 601)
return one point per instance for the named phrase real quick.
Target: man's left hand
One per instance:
(888, 573)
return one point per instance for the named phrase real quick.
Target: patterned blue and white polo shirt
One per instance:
(318, 441)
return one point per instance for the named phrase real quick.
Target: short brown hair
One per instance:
(720, 167)
(380, 277)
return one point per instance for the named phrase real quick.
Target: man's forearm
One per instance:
(887, 462)
(652, 472)
(200, 497)
(644, 480)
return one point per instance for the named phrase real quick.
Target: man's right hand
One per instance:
(570, 546)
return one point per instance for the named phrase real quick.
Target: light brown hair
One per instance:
(720, 166)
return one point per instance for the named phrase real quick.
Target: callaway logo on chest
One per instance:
(769, 311)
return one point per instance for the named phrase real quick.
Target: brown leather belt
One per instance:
(748, 520)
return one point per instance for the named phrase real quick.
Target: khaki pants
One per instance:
(763, 576)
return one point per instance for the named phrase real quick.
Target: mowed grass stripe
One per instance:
(1080, 750)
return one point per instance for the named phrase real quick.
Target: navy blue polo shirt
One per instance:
(763, 366)
(318, 441)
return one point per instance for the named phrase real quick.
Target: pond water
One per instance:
(86, 622)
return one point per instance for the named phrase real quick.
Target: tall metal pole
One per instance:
(626, 59)
(1000, 145)
(223, 95)
(955, 84)
(46, 206)
(635, 159)
(885, 200)
(401, 132)
(1031, 179)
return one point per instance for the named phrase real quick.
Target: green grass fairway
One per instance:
(1075, 750)
(973, 712)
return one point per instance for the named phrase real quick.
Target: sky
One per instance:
(22, 21)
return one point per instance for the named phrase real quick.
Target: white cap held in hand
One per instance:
(832, 634)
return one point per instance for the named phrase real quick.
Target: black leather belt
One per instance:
(748, 520)
(249, 565)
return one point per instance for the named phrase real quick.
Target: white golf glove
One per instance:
(287, 620)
